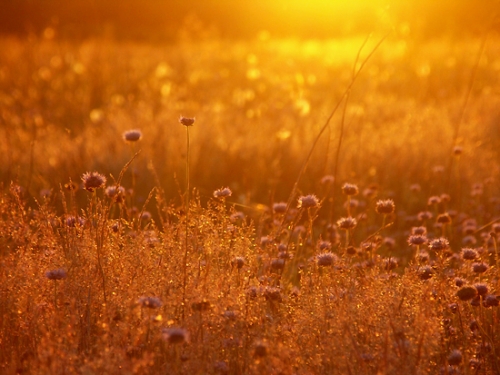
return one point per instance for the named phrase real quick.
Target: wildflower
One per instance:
(439, 244)
(93, 181)
(385, 207)
(57, 274)
(175, 335)
(308, 201)
(482, 289)
(467, 293)
(491, 301)
(347, 223)
(423, 256)
(433, 200)
(421, 231)
(479, 267)
(426, 273)
(279, 208)
(469, 254)
(417, 240)
(132, 135)
(424, 215)
(222, 193)
(455, 357)
(328, 179)
(115, 192)
(325, 259)
(459, 282)
(444, 218)
(350, 189)
(150, 302)
(186, 121)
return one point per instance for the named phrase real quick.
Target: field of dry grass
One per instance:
(381, 258)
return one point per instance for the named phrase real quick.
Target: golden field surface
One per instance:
(265, 238)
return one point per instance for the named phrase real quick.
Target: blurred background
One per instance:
(163, 20)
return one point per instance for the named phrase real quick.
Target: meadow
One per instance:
(189, 208)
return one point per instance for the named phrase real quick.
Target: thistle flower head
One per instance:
(325, 259)
(93, 181)
(439, 244)
(57, 274)
(187, 121)
(419, 231)
(308, 201)
(347, 223)
(479, 267)
(455, 357)
(469, 254)
(350, 189)
(279, 207)
(466, 293)
(385, 206)
(132, 135)
(222, 193)
(175, 335)
(417, 240)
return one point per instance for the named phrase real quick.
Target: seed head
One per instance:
(479, 267)
(421, 231)
(469, 254)
(350, 189)
(444, 218)
(433, 200)
(150, 302)
(482, 289)
(175, 335)
(417, 240)
(186, 121)
(425, 273)
(328, 179)
(222, 193)
(279, 207)
(439, 244)
(93, 181)
(455, 357)
(347, 223)
(308, 201)
(325, 259)
(467, 293)
(132, 135)
(115, 192)
(424, 215)
(491, 301)
(385, 206)
(57, 274)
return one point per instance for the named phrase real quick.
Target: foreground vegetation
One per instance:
(391, 267)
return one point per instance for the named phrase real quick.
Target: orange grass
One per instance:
(144, 282)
